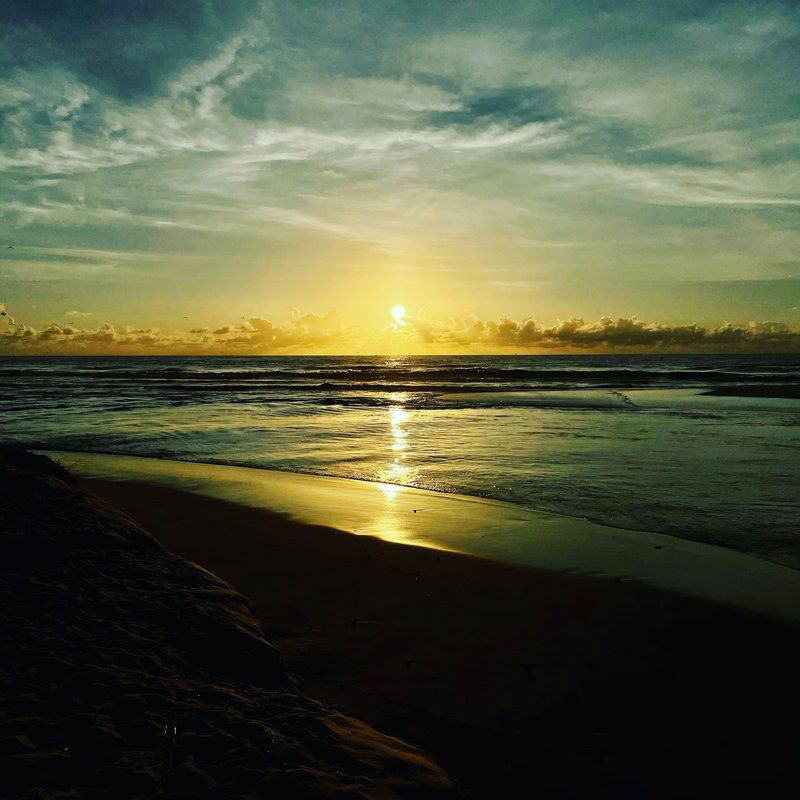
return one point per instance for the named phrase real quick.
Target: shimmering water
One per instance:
(627, 441)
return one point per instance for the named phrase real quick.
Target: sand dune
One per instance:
(129, 672)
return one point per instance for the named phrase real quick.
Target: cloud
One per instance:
(607, 334)
(142, 43)
(511, 105)
(225, 126)
(313, 333)
(303, 331)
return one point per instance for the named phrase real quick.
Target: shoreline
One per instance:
(489, 529)
(505, 674)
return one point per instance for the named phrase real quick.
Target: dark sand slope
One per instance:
(521, 683)
(128, 672)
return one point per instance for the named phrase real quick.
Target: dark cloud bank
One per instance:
(127, 47)
(310, 333)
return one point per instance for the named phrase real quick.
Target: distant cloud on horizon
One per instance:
(307, 333)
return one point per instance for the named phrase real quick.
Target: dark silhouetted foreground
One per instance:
(129, 672)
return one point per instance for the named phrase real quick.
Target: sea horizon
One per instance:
(585, 353)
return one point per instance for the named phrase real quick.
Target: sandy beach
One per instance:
(519, 682)
(490, 529)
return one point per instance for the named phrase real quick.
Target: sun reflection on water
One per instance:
(396, 471)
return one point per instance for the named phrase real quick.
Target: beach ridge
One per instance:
(130, 672)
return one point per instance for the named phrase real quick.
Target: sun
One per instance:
(399, 314)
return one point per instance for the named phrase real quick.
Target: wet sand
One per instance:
(475, 526)
(520, 682)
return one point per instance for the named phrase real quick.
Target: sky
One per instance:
(245, 176)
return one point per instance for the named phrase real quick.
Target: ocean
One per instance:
(628, 441)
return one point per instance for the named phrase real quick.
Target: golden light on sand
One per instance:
(399, 314)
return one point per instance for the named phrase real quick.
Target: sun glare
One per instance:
(399, 313)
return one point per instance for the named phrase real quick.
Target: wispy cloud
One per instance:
(31, 263)
(405, 126)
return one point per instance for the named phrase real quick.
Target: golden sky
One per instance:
(200, 166)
